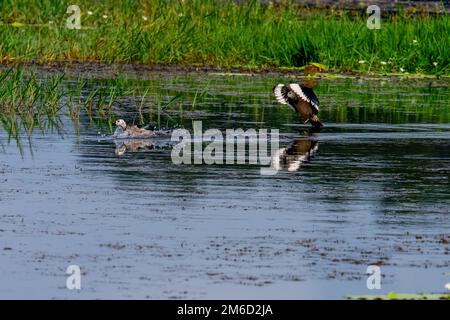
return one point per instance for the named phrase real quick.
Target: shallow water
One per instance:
(371, 188)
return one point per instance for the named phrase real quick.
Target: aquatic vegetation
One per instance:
(221, 33)
(30, 100)
(27, 102)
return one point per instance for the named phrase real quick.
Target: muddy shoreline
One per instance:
(108, 69)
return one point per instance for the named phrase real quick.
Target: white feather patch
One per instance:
(298, 90)
(315, 106)
(279, 95)
(295, 165)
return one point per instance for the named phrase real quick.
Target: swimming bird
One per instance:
(125, 131)
(301, 97)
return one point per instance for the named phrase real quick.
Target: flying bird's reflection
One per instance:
(300, 151)
(132, 145)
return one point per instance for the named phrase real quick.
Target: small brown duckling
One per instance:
(125, 131)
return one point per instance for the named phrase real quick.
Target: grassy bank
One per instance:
(221, 33)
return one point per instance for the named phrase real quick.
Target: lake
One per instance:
(371, 188)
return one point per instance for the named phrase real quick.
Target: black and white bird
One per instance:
(301, 98)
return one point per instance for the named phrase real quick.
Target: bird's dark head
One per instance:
(314, 68)
(292, 96)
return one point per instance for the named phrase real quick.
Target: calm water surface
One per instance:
(371, 188)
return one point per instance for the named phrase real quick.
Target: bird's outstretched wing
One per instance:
(306, 94)
(281, 94)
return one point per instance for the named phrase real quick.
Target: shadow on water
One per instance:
(299, 152)
(370, 188)
(133, 145)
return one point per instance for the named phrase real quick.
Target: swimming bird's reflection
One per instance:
(300, 151)
(132, 145)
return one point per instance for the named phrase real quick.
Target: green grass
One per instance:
(31, 101)
(220, 33)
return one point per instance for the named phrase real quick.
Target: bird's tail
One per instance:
(280, 91)
(315, 121)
